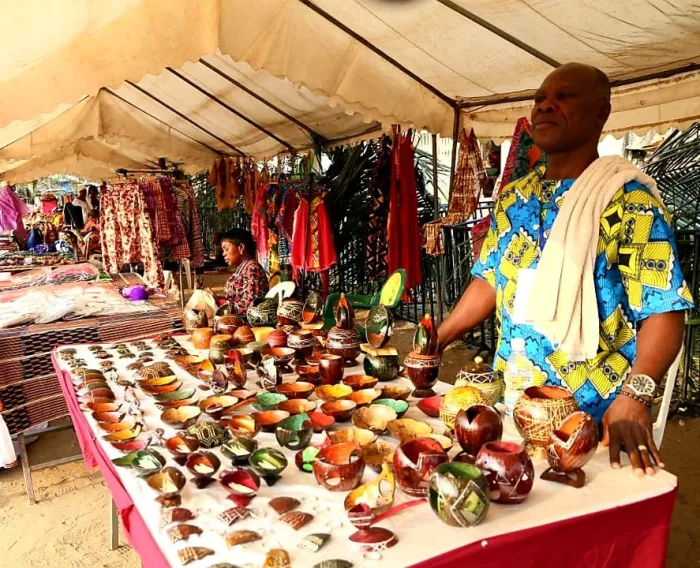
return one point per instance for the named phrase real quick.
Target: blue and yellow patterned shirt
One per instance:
(636, 275)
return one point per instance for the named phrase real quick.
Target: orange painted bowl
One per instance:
(375, 418)
(127, 424)
(360, 382)
(339, 467)
(330, 393)
(201, 337)
(160, 389)
(364, 397)
(298, 389)
(242, 425)
(320, 421)
(168, 481)
(215, 406)
(269, 419)
(182, 417)
(297, 406)
(181, 446)
(281, 355)
(397, 392)
(362, 436)
(341, 410)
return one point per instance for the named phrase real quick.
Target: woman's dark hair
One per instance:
(92, 196)
(240, 236)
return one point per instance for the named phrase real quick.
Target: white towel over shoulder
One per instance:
(563, 303)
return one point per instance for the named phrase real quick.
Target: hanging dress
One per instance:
(404, 237)
(313, 248)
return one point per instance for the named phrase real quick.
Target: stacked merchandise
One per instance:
(8, 242)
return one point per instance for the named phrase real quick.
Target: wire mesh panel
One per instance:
(215, 221)
(676, 168)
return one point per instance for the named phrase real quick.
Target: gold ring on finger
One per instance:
(642, 448)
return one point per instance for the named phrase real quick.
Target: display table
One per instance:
(29, 386)
(617, 519)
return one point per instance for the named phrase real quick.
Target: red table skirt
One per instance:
(634, 535)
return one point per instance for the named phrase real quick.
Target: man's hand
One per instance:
(628, 423)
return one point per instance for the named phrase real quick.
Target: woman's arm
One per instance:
(476, 304)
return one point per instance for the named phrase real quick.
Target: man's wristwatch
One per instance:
(641, 386)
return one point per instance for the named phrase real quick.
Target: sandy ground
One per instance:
(69, 526)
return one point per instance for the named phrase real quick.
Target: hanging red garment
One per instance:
(258, 224)
(403, 232)
(312, 242)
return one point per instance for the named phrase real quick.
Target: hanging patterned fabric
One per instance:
(217, 179)
(195, 225)
(377, 250)
(259, 223)
(523, 157)
(126, 232)
(469, 182)
(404, 246)
(313, 247)
(250, 182)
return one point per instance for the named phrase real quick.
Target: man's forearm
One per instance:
(658, 343)
(476, 304)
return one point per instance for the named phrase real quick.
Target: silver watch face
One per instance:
(642, 385)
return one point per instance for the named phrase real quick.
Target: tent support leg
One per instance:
(455, 139)
(436, 215)
(113, 525)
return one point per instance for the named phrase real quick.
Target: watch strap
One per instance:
(638, 398)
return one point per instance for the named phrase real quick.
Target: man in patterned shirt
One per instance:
(640, 291)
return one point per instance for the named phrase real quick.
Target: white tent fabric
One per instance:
(117, 127)
(659, 104)
(342, 69)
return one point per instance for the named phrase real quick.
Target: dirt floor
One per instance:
(69, 525)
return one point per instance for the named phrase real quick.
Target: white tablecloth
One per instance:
(422, 535)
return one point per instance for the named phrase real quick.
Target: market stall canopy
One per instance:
(410, 62)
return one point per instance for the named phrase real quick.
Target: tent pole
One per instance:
(138, 108)
(263, 100)
(230, 108)
(436, 216)
(455, 139)
(462, 11)
(357, 37)
(521, 96)
(185, 117)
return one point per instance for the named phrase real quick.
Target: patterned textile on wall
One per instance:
(523, 157)
(469, 181)
(126, 231)
(402, 226)
(377, 248)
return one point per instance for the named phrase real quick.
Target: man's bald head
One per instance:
(571, 108)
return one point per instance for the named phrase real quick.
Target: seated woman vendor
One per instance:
(249, 281)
